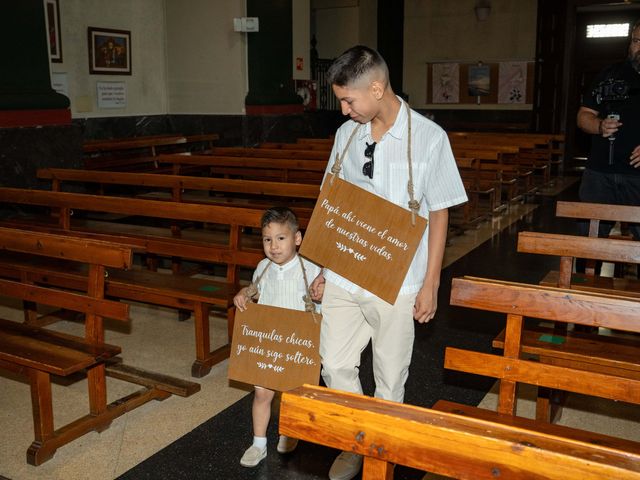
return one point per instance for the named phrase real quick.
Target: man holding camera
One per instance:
(611, 114)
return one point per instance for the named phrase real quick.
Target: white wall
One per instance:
(146, 91)
(184, 60)
(341, 24)
(434, 31)
(446, 30)
(207, 60)
(189, 60)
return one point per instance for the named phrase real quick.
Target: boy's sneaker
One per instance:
(253, 456)
(287, 444)
(346, 466)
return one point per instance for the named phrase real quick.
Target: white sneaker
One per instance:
(346, 466)
(287, 444)
(253, 456)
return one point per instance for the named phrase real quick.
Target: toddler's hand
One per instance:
(240, 300)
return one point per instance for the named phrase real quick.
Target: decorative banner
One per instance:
(275, 348)
(363, 237)
(479, 80)
(512, 82)
(446, 83)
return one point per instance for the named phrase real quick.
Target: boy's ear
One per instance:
(298, 238)
(377, 88)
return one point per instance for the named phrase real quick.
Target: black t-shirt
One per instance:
(628, 135)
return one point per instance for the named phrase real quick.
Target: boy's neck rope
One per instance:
(252, 289)
(414, 205)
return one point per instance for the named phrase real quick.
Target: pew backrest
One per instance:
(57, 175)
(606, 249)
(449, 444)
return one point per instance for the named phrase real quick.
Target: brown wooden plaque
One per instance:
(363, 237)
(275, 348)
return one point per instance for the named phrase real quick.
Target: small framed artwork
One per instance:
(109, 51)
(52, 17)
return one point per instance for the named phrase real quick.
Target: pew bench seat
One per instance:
(613, 355)
(38, 354)
(27, 347)
(173, 291)
(592, 352)
(627, 287)
(573, 434)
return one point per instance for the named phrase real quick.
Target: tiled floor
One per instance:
(205, 434)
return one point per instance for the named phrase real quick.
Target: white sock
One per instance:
(260, 442)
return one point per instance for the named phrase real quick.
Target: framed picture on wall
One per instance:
(52, 18)
(109, 51)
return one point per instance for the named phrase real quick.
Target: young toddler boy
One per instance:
(282, 280)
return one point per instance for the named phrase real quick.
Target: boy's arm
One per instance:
(427, 299)
(317, 287)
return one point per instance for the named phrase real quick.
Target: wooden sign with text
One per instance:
(275, 348)
(363, 237)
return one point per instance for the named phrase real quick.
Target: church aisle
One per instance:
(213, 449)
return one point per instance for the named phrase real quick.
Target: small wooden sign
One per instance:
(275, 348)
(363, 237)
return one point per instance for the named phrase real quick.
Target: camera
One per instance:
(611, 90)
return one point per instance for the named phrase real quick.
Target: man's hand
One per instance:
(609, 126)
(589, 122)
(426, 303)
(317, 288)
(635, 157)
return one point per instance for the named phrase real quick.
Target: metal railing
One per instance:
(326, 98)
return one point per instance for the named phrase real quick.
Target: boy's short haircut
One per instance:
(354, 64)
(280, 215)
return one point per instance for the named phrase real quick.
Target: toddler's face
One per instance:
(280, 242)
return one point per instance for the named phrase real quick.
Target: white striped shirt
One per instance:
(283, 285)
(437, 183)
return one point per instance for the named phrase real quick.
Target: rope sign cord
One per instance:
(414, 206)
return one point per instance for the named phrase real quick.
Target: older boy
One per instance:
(377, 160)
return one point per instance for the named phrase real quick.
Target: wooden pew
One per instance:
(320, 141)
(533, 152)
(527, 140)
(600, 353)
(250, 167)
(38, 353)
(147, 144)
(322, 147)
(133, 153)
(231, 192)
(480, 185)
(570, 247)
(296, 154)
(563, 364)
(553, 142)
(196, 295)
(596, 213)
(449, 443)
(516, 180)
(124, 153)
(205, 141)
